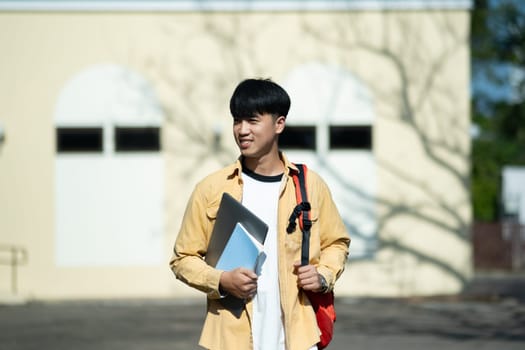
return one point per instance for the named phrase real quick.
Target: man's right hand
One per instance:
(241, 282)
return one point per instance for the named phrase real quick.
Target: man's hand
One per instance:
(307, 277)
(241, 283)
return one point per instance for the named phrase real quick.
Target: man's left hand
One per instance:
(307, 277)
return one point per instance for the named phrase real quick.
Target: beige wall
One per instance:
(416, 64)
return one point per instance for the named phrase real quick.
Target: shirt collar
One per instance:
(236, 168)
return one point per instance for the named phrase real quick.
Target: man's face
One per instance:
(257, 136)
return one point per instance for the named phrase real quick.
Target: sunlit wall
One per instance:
(380, 93)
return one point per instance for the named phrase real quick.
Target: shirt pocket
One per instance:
(211, 216)
(211, 212)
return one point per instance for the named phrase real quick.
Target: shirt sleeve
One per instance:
(334, 237)
(190, 247)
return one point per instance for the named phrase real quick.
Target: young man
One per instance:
(278, 314)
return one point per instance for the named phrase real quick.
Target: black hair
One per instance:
(259, 96)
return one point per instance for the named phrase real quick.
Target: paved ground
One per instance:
(493, 320)
(362, 324)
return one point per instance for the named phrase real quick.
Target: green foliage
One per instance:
(498, 30)
(497, 39)
(501, 142)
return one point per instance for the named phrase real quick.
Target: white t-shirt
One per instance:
(261, 196)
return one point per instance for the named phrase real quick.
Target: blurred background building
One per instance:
(111, 111)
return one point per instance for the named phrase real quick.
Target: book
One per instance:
(231, 212)
(241, 250)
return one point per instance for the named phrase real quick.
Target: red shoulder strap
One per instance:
(301, 211)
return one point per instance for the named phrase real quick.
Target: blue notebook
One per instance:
(241, 250)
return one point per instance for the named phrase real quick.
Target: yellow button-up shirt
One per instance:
(329, 243)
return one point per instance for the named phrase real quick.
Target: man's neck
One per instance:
(267, 166)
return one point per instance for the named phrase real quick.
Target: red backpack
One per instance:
(323, 303)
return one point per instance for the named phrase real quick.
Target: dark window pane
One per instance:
(79, 139)
(137, 139)
(298, 137)
(351, 137)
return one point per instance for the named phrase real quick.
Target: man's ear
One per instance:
(280, 123)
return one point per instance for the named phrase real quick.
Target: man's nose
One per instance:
(244, 127)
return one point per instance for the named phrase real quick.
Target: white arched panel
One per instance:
(324, 96)
(321, 92)
(109, 205)
(107, 93)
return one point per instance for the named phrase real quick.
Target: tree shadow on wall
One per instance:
(421, 98)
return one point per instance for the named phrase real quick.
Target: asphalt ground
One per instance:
(430, 323)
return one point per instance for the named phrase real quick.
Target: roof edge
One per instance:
(232, 5)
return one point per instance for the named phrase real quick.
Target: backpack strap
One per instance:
(301, 211)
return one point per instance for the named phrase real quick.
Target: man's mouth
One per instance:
(244, 143)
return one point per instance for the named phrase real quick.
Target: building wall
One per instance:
(414, 63)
